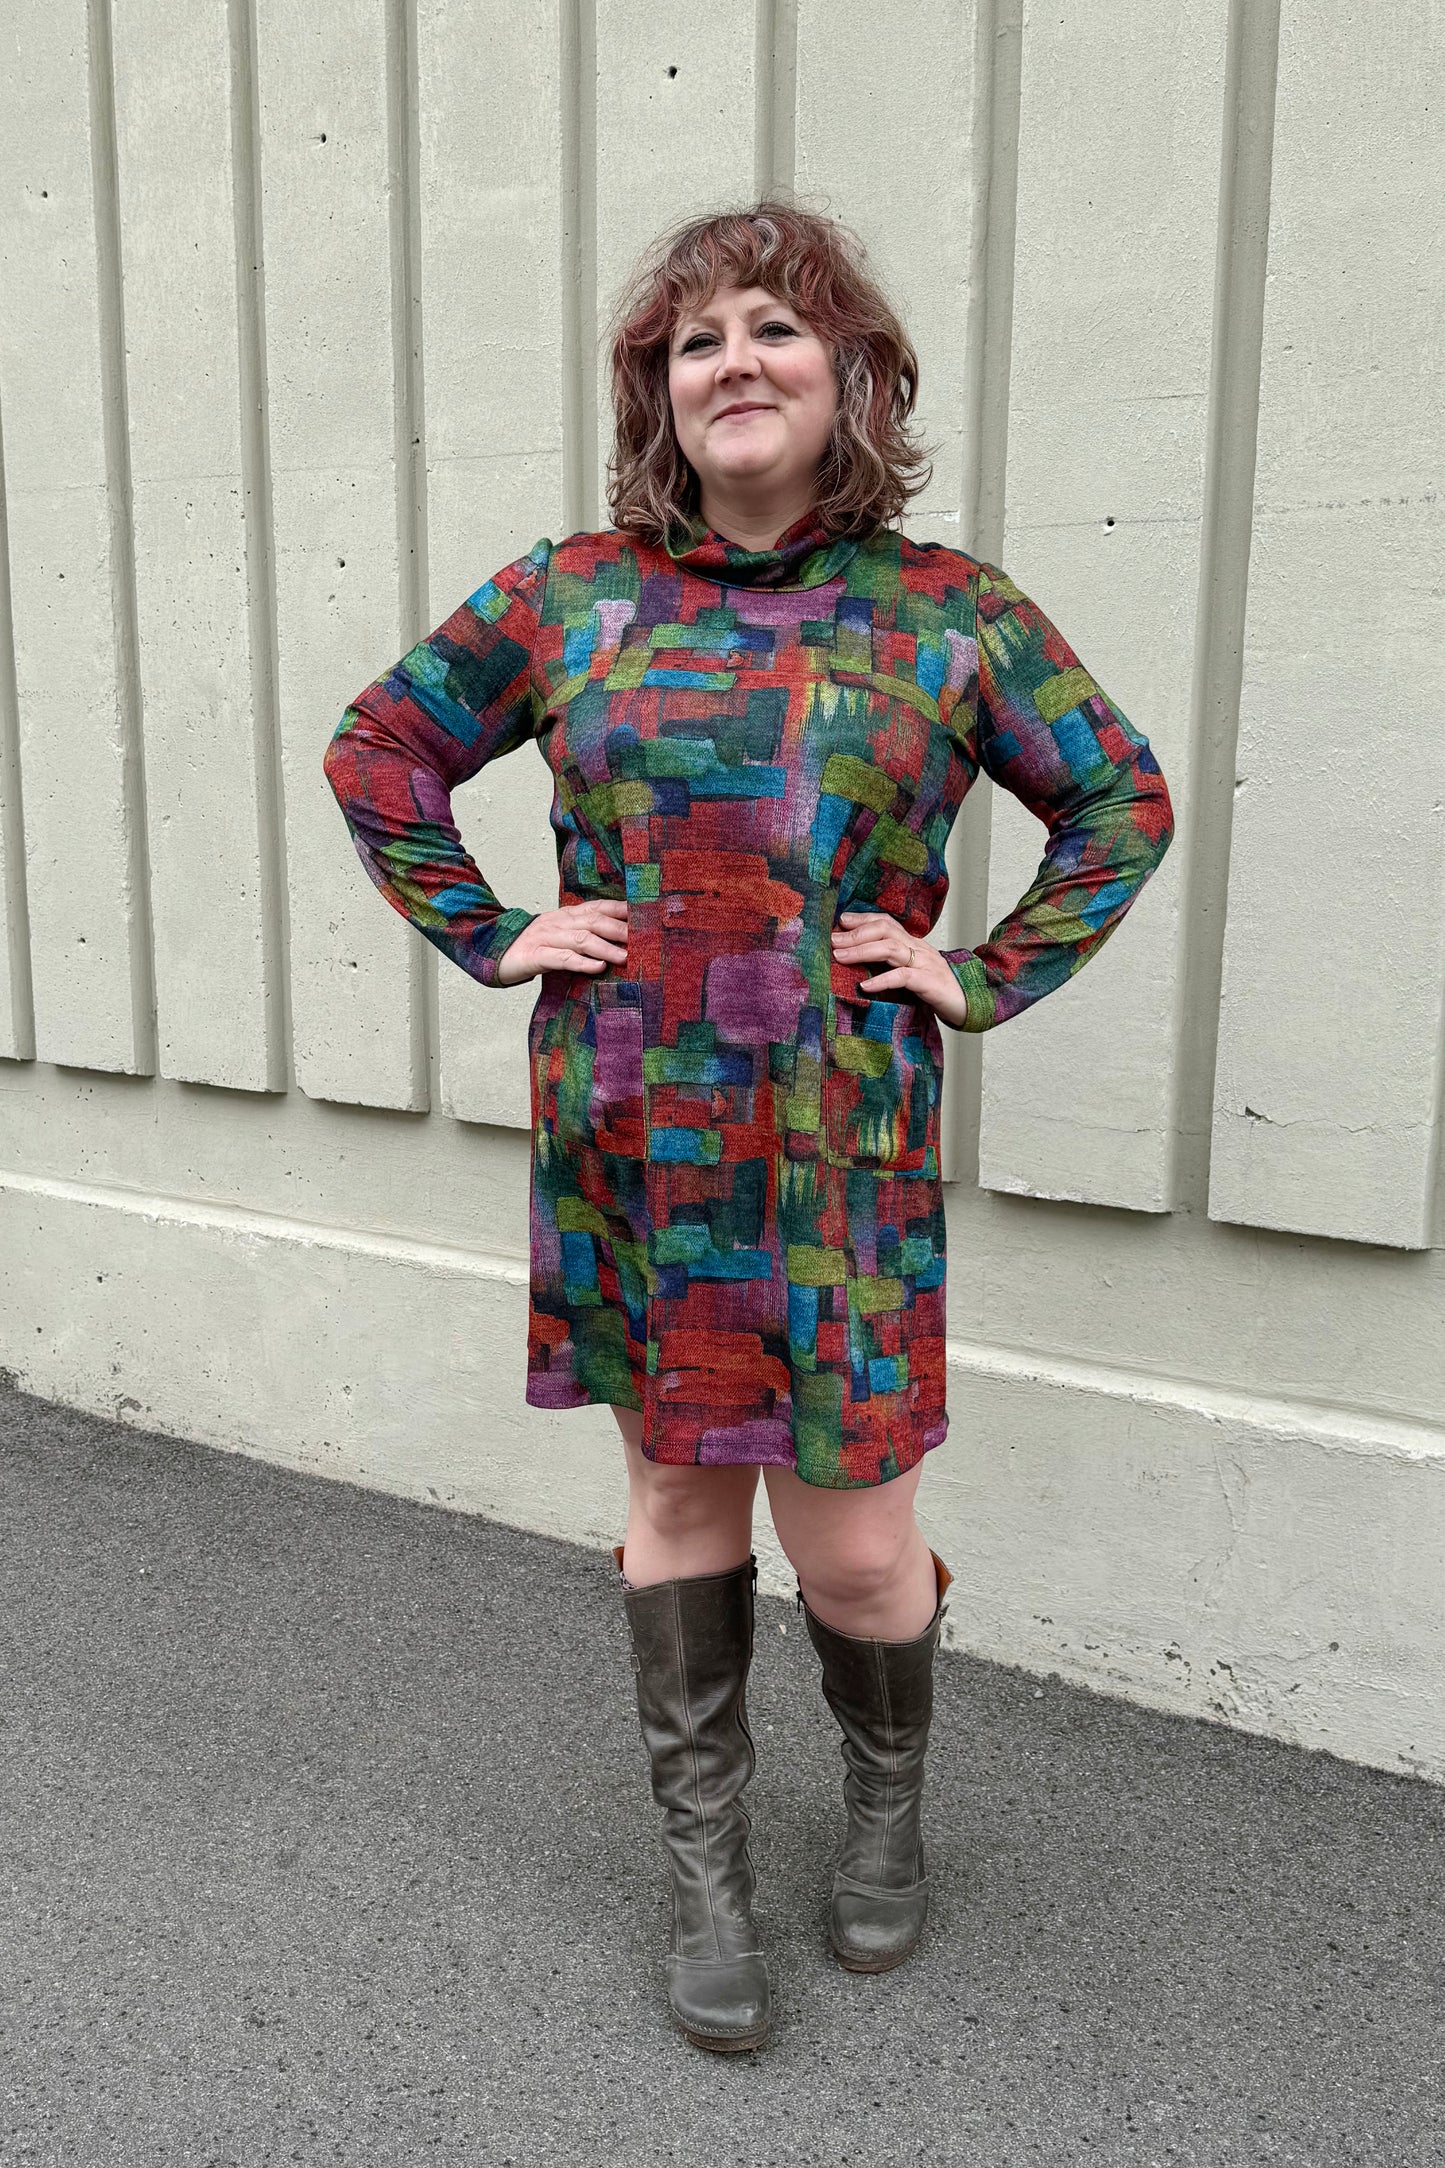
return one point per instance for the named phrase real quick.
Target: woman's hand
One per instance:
(579, 937)
(866, 937)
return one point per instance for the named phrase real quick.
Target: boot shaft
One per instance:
(881, 1693)
(692, 1644)
(692, 1647)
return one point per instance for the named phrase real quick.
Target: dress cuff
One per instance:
(977, 993)
(502, 932)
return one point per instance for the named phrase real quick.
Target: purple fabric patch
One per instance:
(734, 1445)
(962, 659)
(430, 795)
(554, 1389)
(617, 1070)
(755, 1000)
(784, 605)
(611, 618)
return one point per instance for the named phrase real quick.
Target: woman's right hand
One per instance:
(579, 937)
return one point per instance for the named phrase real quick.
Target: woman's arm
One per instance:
(1046, 732)
(459, 698)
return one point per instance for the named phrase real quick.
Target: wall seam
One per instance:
(581, 452)
(15, 900)
(765, 18)
(260, 538)
(993, 192)
(125, 635)
(775, 78)
(997, 124)
(1231, 436)
(403, 123)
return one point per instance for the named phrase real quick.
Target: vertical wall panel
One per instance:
(492, 287)
(862, 128)
(328, 163)
(859, 126)
(1328, 1079)
(69, 565)
(1107, 441)
(176, 168)
(676, 117)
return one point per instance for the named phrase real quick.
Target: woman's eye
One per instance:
(702, 339)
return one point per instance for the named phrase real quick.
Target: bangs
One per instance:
(744, 249)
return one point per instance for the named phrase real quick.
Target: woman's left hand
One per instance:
(868, 937)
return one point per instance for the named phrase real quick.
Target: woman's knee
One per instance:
(856, 1563)
(677, 1502)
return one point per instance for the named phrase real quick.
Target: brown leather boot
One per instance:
(881, 1692)
(692, 1643)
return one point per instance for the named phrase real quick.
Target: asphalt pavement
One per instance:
(325, 1836)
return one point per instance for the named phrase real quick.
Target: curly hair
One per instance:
(872, 463)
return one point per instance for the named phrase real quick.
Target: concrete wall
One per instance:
(299, 318)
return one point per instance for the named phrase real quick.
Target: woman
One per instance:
(762, 706)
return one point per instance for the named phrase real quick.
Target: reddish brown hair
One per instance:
(872, 464)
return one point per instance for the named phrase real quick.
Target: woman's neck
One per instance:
(754, 522)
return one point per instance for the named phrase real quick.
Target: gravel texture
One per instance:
(325, 1837)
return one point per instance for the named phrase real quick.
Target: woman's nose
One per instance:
(738, 358)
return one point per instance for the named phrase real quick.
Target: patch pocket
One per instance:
(616, 1091)
(882, 1078)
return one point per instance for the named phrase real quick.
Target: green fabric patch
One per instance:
(863, 1057)
(871, 1295)
(575, 1216)
(817, 1424)
(845, 776)
(899, 846)
(1058, 694)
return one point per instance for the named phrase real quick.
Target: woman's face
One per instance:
(753, 392)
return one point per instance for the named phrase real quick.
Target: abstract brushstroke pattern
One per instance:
(737, 1220)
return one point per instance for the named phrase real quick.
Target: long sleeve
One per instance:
(1046, 732)
(459, 698)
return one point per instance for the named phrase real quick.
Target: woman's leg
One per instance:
(860, 1557)
(690, 1613)
(682, 1521)
(873, 1609)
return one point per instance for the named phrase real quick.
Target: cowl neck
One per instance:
(805, 555)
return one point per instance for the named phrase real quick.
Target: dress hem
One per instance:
(932, 1431)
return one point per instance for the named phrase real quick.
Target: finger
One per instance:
(574, 960)
(600, 911)
(869, 937)
(863, 936)
(874, 952)
(597, 944)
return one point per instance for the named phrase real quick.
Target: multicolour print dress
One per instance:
(737, 1223)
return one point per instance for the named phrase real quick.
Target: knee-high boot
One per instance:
(692, 1643)
(881, 1693)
